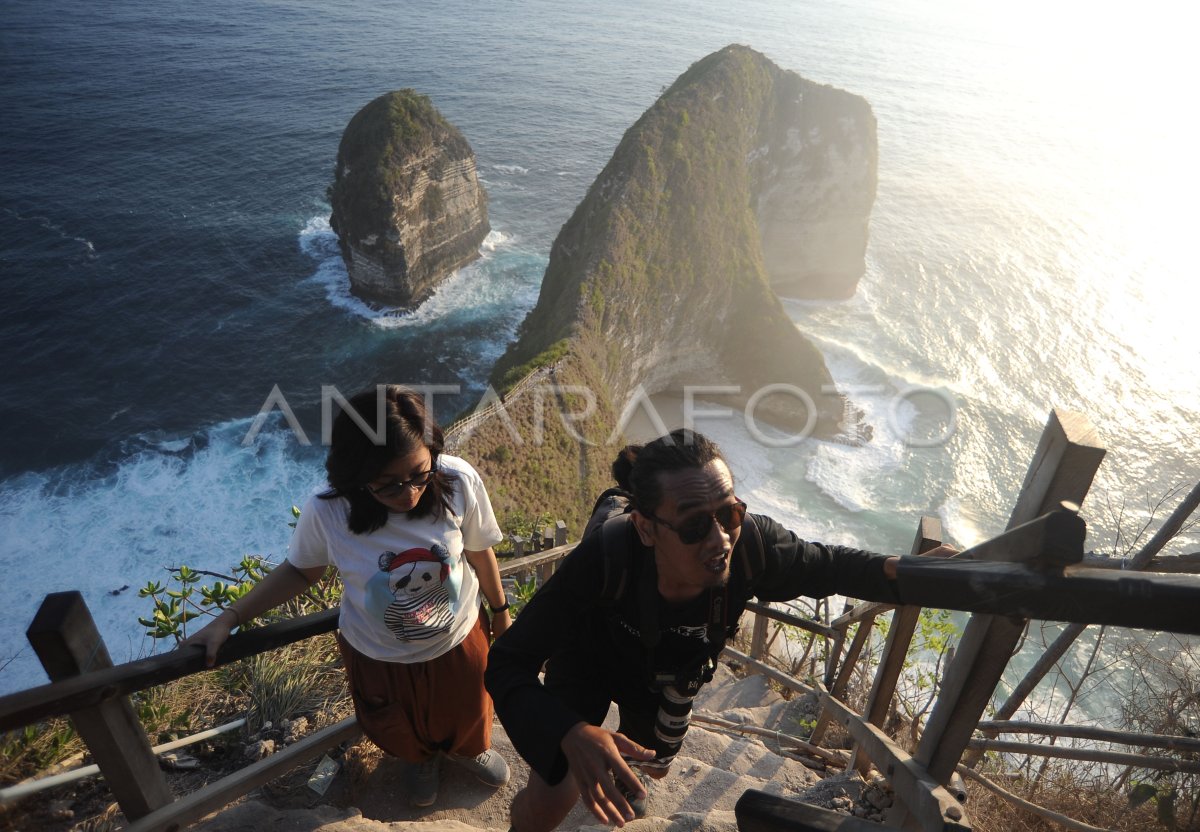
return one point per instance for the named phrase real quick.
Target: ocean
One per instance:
(168, 262)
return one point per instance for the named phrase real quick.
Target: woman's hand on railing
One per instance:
(212, 635)
(281, 584)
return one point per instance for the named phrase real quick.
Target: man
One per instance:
(636, 615)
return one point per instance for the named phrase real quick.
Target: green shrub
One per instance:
(184, 597)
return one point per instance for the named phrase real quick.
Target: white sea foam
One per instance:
(204, 500)
(496, 239)
(852, 474)
(488, 281)
(461, 289)
(511, 170)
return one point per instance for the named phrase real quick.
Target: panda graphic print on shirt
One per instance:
(417, 592)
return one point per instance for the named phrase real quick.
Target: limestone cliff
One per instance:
(661, 277)
(814, 185)
(408, 208)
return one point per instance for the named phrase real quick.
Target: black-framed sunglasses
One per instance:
(697, 527)
(397, 487)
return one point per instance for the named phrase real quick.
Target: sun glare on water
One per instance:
(1115, 86)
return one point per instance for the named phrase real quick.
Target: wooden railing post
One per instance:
(846, 670)
(928, 532)
(1062, 469)
(65, 638)
(834, 658)
(560, 533)
(758, 637)
(895, 650)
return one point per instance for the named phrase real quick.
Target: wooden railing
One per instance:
(95, 695)
(458, 432)
(1031, 571)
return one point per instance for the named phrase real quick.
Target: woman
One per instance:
(398, 520)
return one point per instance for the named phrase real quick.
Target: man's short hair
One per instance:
(677, 451)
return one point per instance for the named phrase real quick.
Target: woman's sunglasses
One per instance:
(697, 527)
(397, 487)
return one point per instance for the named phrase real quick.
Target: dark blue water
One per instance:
(160, 163)
(167, 261)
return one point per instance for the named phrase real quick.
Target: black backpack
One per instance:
(610, 503)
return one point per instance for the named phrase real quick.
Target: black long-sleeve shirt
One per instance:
(568, 622)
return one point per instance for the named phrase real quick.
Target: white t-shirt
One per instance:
(408, 594)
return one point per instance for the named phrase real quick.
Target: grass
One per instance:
(1073, 789)
(301, 679)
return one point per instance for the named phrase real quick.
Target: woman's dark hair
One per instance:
(678, 450)
(374, 428)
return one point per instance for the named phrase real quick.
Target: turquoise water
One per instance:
(167, 258)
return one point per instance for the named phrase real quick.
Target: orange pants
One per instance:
(412, 711)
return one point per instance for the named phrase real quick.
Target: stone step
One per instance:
(698, 795)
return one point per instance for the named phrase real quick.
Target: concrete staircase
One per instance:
(698, 795)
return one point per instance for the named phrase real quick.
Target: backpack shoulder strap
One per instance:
(619, 544)
(754, 560)
(616, 532)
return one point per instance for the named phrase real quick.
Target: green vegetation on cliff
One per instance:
(538, 464)
(393, 128)
(667, 238)
(657, 281)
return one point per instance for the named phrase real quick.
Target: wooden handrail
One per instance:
(524, 564)
(1138, 600)
(61, 698)
(758, 811)
(790, 618)
(861, 612)
(785, 679)
(1060, 752)
(1088, 732)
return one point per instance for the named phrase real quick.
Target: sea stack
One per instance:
(814, 183)
(408, 208)
(740, 180)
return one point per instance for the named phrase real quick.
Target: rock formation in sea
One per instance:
(814, 187)
(408, 208)
(740, 175)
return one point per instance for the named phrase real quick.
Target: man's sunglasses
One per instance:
(397, 487)
(697, 527)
